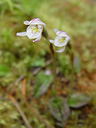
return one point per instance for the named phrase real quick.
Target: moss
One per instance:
(20, 54)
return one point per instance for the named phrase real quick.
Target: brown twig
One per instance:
(16, 84)
(20, 111)
(30, 107)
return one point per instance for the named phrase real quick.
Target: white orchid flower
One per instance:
(34, 30)
(61, 40)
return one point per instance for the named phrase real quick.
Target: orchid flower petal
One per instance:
(37, 39)
(56, 30)
(26, 22)
(52, 41)
(21, 34)
(37, 21)
(61, 50)
(61, 33)
(68, 38)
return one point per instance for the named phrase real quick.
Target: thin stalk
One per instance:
(71, 79)
(72, 70)
(54, 67)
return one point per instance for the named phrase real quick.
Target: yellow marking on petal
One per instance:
(35, 29)
(62, 40)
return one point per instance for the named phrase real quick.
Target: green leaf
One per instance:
(60, 110)
(43, 82)
(78, 100)
(39, 62)
(77, 64)
(10, 4)
(4, 70)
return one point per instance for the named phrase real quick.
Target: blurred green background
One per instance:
(19, 56)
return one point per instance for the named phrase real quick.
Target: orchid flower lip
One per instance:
(61, 50)
(38, 39)
(33, 32)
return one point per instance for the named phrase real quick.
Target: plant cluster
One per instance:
(59, 107)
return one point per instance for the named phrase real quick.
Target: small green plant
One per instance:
(59, 107)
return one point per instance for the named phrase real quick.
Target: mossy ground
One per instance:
(22, 56)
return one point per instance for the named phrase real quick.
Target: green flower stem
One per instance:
(72, 79)
(72, 70)
(54, 66)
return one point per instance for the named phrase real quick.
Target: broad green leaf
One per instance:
(60, 110)
(43, 82)
(78, 100)
(4, 70)
(77, 64)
